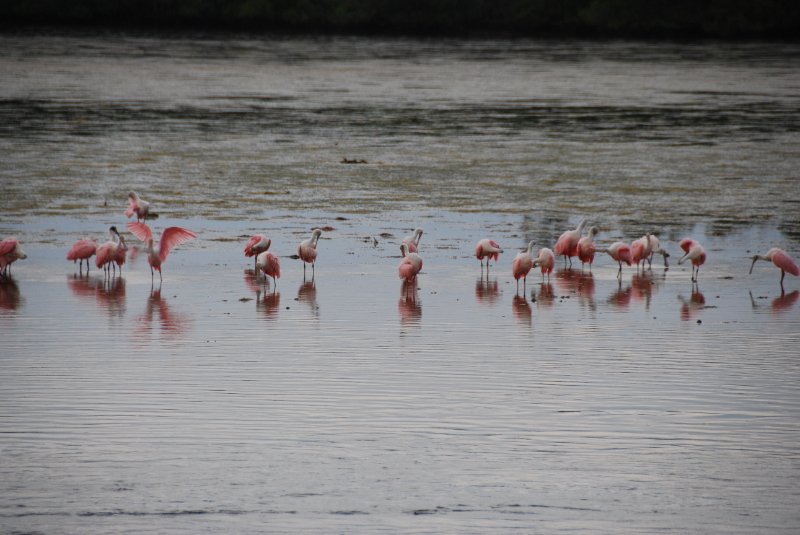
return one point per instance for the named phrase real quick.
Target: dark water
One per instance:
(355, 403)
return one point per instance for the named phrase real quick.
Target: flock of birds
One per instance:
(572, 243)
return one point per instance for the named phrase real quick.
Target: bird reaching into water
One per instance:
(567, 244)
(171, 237)
(488, 249)
(307, 251)
(696, 254)
(782, 261)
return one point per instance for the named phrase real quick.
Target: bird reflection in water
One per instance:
(10, 298)
(690, 307)
(621, 298)
(107, 291)
(547, 295)
(781, 303)
(307, 293)
(409, 306)
(269, 304)
(579, 284)
(158, 312)
(521, 309)
(644, 285)
(487, 291)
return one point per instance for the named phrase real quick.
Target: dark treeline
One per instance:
(632, 18)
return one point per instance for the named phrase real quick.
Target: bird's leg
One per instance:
(304, 271)
(619, 272)
(517, 286)
(783, 274)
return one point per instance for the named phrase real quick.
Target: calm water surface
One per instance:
(354, 403)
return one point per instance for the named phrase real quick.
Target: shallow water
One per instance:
(353, 403)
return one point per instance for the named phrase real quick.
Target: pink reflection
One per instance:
(408, 306)
(781, 303)
(486, 291)
(522, 309)
(644, 286)
(10, 298)
(307, 293)
(110, 294)
(269, 305)
(546, 296)
(158, 312)
(621, 298)
(690, 307)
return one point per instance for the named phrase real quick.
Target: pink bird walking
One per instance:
(106, 252)
(10, 252)
(269, 264)
(138, 207)
(81, 250)
(782, 261)
(488, 249)
(586, 247)
(410, 265)
(171, 237)
(545, 259)
(412, 241)
(307, 251)
(522, 265)
(696, 254)
(257, 244)
(620, 252)
(567, 244)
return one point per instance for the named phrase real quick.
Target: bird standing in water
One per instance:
(696, 254)
(107, 251)
(410, 265)
(269, 264)
(586, 247)
(257, 244)
(307, 251)
(545, 259)
(171, 237)
(782, 261)
(81, 250)
(567, 244)
(10, 252)
(488, 249)
(620, 252)
(522, 264)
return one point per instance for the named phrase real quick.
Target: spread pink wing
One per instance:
(171, 237)
(785, 262)
(140, 230)
(7, 245)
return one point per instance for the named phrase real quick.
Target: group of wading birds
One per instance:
(572, 243)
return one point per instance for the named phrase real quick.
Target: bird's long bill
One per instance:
(755, 259)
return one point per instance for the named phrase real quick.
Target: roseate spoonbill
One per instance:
(171, 237)
(257, 244)
(81, 250)
(522, 264)
(269, 264)
(655, 248)
(107, 251)
(307, 251)
(621, 252)
(410, 265)
(641, 250)
(488, 249)
(545, 259)
(567, 244)
(10, 252)
(586, 247)
(122, 251)
(139, 207)
(412, 241)
(697, 255)
(782, 261)
(686, 244)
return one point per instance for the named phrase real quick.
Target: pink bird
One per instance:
(412, 241)
(139, 207)
(122, 251)
(697, 255)
(307, 251)
(410, 265)
(782, 261)
(545, 259)
(488, 249)
(81, 250)
(620, 252)
(644, 248)
(171, 237)
(107, 251)
(586, 247)
(522, 265)
(686, 244)
(269, 264)
(10, 252)
(567, 244)
(257, 244)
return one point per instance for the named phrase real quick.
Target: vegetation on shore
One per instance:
(612, 18)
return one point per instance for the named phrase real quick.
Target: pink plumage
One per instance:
(488, 249)
(82, 249)
(269, 264)
(170, 238)
(257, 244)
